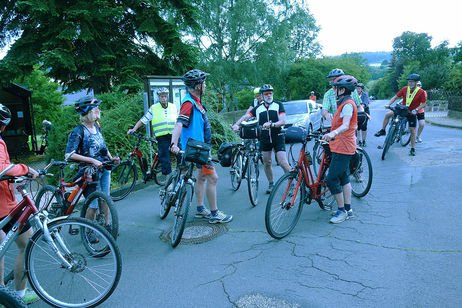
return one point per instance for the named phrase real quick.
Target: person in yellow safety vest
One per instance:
(162, 115)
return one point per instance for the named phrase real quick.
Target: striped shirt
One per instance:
(329, 101)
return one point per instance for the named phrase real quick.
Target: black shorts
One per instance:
(362, 121)
(277, 142)
(10, 224)
(421, 116)
(412, 118)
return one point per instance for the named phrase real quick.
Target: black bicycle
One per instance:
(398, 130)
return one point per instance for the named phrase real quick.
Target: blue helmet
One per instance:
(86, 103)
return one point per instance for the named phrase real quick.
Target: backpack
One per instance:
(225, 154)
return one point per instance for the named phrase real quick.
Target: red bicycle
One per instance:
(293, 189)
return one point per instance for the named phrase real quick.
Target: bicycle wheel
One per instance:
(326, 201)
(181, 213)
(50, 199)
(9, 299)
(292, 155)
(159, 178)
(104, 204)
(388, 140)
(123, 179)
(318, 152)
(405, 133)
(361, 177)
(89, 280)
(236, 170)
(165, 202)
(280, 216)
(253, 173)
(34, 187)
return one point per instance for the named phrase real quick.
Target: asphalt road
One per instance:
(403, 248)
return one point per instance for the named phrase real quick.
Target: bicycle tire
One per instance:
(280, 206)
(9, 299)
(157, 172)
(166, 204)
(49, 198)
(404, 133)
(236, 170)
(362, 174)
(327, 200)
(318, 152)
(123, 180)
(253, 173)
(85, 280)
(181, 213)
(100, 219)
(292, 157)
(388, 140)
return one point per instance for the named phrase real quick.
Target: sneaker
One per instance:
(364, 144)
(412, 152)
(350, 214)
(220, 218)
(339, 217)
(30, 297)
(91, 237)
(381, 132)
(419, 140)
(205, 213)
(270, 188)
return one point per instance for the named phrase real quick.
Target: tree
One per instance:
(96, 43)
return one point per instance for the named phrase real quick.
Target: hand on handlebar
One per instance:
(329, 136)
(33, 173)
(267, 125)
(116, 159)
(387, 107)
(131, 131)
(235, 128)
(414, 112)
(329, 117)
(96, 162)
(174, 149)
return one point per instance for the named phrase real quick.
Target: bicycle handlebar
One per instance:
(141, 136)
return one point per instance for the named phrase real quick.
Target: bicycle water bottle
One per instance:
(308, 157)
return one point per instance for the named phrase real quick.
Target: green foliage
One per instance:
(455, 78)
(245, 98)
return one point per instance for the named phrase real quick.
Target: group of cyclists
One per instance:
(345, 105)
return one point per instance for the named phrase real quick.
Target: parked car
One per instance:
(304, 113)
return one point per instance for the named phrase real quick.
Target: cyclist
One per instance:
(414, 98)
(329, 102)
(271, 116)
(193, 123)
(362, 121)
(342, 145)
(86, 144)
(7, 204)
(163, 117)
(421, 116)
(312, 96)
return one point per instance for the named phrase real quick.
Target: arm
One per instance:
(343, 128)
(245, 117)
(175, 136)
(281, 122)
(135, 128)
(392, 100)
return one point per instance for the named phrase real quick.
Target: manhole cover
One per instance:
(196, 232)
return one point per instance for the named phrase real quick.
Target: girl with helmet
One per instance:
(343, 147)
(193, 123)
(8, 203)
(86, 144)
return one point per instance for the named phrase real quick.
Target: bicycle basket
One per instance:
(295, 134)
(249, 130)
(355, 162)
(401, 110)
(197, 152)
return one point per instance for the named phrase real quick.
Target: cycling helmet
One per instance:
(162, 91)
(415, 77)
(346, 81)
(86, 103)
(5, 115)
(312, 92)
(336, 72)
(360, 85)
(266, 88)
(419, 84)
(256, 91)
(194, 77)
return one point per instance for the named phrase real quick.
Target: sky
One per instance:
(371, 25)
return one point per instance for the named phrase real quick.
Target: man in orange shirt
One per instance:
(7, 203)
(312, 96)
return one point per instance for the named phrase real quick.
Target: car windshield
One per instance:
(296, 108)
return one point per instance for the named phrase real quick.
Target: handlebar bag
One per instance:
(401, 110)
(249, 130)
(197, 152)
(295, 134)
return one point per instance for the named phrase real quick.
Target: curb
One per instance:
(442, 125)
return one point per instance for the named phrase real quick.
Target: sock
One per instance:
(342, 209)
(200, 208)
(347, 207)
(271, 183)
(20, 293)
(214, 212)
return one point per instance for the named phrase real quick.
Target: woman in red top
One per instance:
(7, 203)
(344, 124)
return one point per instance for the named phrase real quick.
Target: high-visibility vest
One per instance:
(163, 119)
(410, 96)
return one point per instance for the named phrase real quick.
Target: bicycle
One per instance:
(398, 130)
(178, 192)
(125, 174)
(300, 183)
(59, 265)
(9, 299)
(245, 165)
(59, 202)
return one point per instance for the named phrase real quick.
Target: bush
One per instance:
(244, 98)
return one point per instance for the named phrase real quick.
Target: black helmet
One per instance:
(415, 77)
(360, 85)
(86, 103)
(266, 88)
(336, 72)
(194, 77)
(5, 115)
(346, 81)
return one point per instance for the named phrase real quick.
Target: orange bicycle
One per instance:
(299, 186)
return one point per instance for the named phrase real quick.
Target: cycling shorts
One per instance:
(412, 118)
(421, 116)
(362, 121)
(207, 169)
(277, 142)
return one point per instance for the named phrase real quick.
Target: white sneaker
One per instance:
(339, 217)
(419, 140)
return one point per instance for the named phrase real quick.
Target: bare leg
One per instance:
(211, 190)
(340, 201)
(199, 188)
(347, 193)
(413, 130)
(282, 159)
(421, 127)
(90, 214)
(19, 274)
(267, 165)
(386, 119)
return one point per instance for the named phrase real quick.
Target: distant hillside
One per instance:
(376, 56)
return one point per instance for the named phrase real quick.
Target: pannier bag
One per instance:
(197, 152)
(249, 130)
(225, 154)
(295, 134)
(401, 110)
(355, 162)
